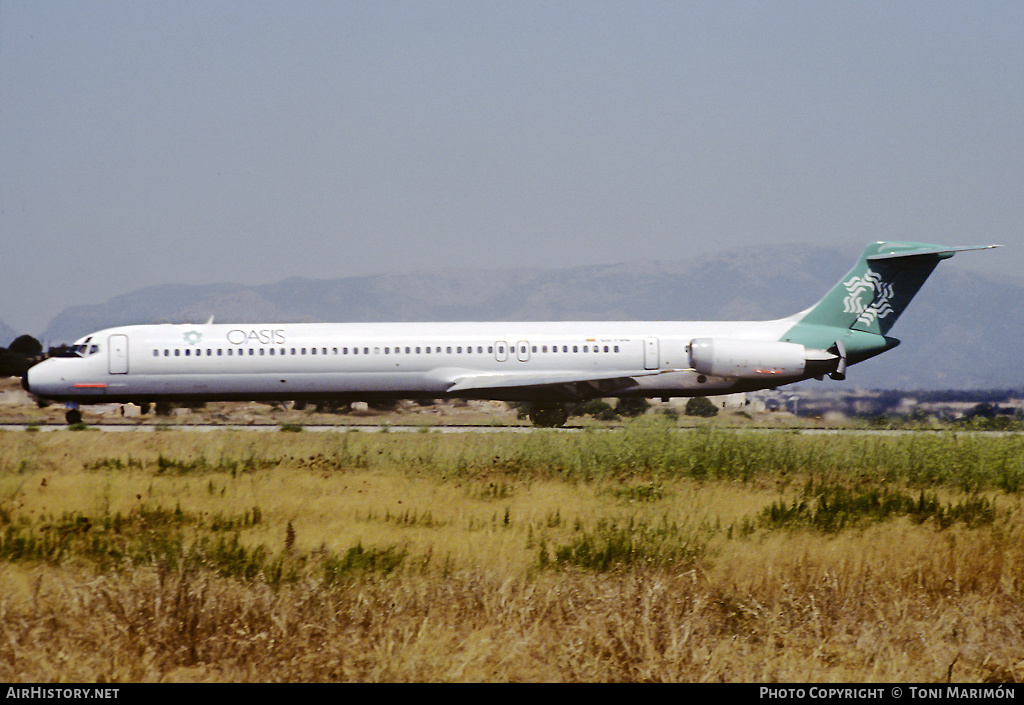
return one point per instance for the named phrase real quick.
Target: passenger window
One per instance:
(177, 352)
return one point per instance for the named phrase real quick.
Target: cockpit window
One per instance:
(80, 350)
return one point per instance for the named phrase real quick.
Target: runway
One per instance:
(355, 428)
(467, 428)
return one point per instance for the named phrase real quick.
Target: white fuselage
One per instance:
(515, 361)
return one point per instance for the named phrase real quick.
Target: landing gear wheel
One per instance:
(549, 415)
(73, 416)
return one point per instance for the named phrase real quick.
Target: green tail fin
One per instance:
(872, 295)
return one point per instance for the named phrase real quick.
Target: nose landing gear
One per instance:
(73, 415)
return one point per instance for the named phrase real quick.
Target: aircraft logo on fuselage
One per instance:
(252, 337)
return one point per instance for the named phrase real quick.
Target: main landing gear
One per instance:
(548, 414)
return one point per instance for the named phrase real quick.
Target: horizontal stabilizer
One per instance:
(941, 251)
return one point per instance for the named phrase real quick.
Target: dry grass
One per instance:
(809, 624)
(882, 601)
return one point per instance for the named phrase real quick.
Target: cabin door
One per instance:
(118, 346)
(650, 353)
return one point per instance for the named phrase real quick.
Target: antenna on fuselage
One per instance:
(210, 322)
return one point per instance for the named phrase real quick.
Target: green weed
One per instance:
(627, 543)
(832, 508)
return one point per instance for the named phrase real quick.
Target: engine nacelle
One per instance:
(756, 359)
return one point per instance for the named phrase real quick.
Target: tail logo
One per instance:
(878, 295)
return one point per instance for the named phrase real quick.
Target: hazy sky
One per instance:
(195, 142)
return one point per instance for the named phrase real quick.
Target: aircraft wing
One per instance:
(573, 384)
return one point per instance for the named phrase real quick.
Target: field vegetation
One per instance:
(644, 553)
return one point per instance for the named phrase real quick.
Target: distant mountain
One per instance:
(961, 331)
(7, 335)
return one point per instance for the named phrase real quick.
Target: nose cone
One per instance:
(44, 380)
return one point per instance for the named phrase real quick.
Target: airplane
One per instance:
(546, 363)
